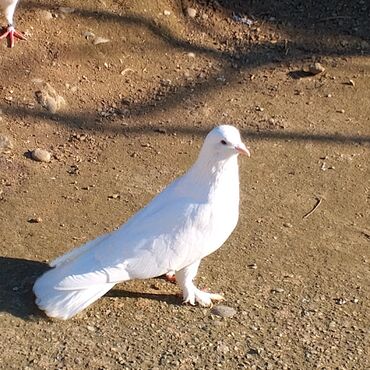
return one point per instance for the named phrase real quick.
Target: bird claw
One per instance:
(204, 299)
(189, 301)
(11, 34)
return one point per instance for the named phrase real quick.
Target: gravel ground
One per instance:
(109, 101)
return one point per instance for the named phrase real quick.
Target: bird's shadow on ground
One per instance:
(17, 276)
(170, 299)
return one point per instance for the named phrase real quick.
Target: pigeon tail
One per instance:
(63, 304)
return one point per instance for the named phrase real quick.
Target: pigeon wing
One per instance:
(154, 241)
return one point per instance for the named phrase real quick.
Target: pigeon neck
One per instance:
(211, 175)
(211, 166)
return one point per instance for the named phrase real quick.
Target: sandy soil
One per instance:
(123, 118)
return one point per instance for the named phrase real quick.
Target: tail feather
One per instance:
(63, 304)
(76, 280)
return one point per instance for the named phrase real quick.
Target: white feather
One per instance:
(8, 8)
(189, 220)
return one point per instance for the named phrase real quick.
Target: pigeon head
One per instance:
(224, 141)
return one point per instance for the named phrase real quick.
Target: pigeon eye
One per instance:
(223, 142)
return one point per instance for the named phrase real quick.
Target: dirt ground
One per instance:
(122, 93)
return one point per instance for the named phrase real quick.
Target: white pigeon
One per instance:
(186, 222)
(7, 7)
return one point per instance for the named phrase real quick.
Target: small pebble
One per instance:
(351, 83)
(123, 72)
(254, 351)
(340, 301)
(161, 130)
(49, 98)
(100, 40)
(88, 35)
(223, 311)
(6, 144)
(253, 266)
(41, 155)
(166, 13)
(316, 68)
(46, 15)
(223, 348)
(78, 360)
(287, 224)
(35, 220)
(191, 12)
(277, 290)
(191, 55)
(66, 10)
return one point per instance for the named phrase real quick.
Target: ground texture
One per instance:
(121, 94)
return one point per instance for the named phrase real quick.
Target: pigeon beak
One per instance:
(242, 149)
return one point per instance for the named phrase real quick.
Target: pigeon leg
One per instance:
(170, 276)
(191, 293)
(11, 34)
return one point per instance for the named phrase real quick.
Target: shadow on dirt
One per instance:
(297, 18)
(17, 276)
(170, 299)
(88, 122)
(245, 54)
(328, 17)
(295, 15)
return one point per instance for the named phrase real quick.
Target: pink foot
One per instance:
(171, 277)
(11, 34)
